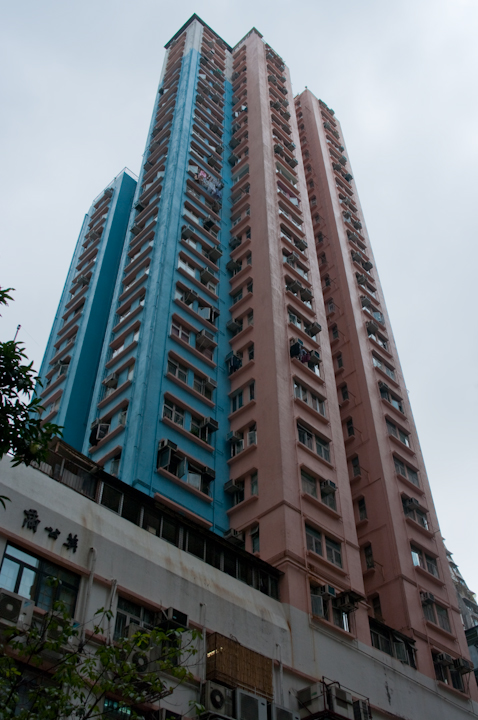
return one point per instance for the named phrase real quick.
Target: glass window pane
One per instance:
(169, 530)
(9, 575)
(27, 583)
(195, 545)
(23, 556)
(111, 498)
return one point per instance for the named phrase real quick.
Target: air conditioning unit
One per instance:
(189, 296)
(83, 280)
(187, 230)
(214, 254)
(234, 536)
(211, 424)
(328, 487)
(276, 712)
(231, 487)
(102, 430)
(366, 302)
(135, 229)
(326, 591)
(294, 286)
(234, 242)
(108, 192)
(55, 625)
(367, 265)
(234, 326)
(361, 710)
(311, 699)
(313, 329)
(249, 706)
(301, 244)
(361, 279)
(165, 443)
(463, 665)
(207, 275)
(175, 618)
(15, 610)
(340, 701)
(234, 438)
(345, 602)
(314, 358)
(413, 502)
(218, 699)
(444, 659)
(205, 339)
(210, 384)
(111, 380)
(427, 598)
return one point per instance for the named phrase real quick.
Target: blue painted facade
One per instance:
(71, 359)
(126, 420)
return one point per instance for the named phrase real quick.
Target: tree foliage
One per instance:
(22, 433)
(48, 672)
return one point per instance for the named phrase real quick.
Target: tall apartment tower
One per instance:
(243, 369)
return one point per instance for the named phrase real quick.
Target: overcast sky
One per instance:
(77, 91)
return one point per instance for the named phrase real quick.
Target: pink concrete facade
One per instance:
(275, 209)
(405, 574)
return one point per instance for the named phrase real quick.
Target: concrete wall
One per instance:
(150, 571)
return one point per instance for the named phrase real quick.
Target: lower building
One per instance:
(124, 550)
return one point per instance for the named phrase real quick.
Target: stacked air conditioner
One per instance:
(318, 698)
(241, 704)
(15, 611)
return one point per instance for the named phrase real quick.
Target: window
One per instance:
(434, 613)
(236, 401)
(396, 432)
(446, 672)
(309, 484)
(313, 540)
(335, 333)
(179, 331)
(254, 484)
(202, 386)
(190, 472)
(378, 363)
(356, 469)
(250, 318)
(173, 412)
(255, 539)
(379, 339)
(427, 562)
(350, 428)
(305, 437)
(412, 509)
(334, 551)
(315, 543)
(362, 509)
(238, 495)
(131, 613)
(339, 360)
(42, 581)
(344, 392)
(368, 555)
(250, 351)
(190, 269)
(406, 471)
(114, 466)
(252, 390)
(122, 417)
(316, 402)
(392, 642)
(325, 607)
(322, 448)
(178, 370)
(390, 397)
